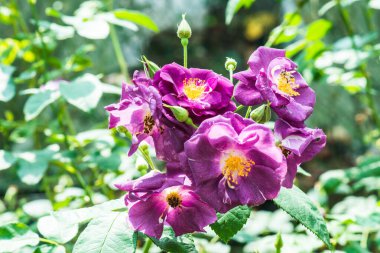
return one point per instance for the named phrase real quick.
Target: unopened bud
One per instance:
(261, 114)
(184, 30)
(230, 64)
(181, 114)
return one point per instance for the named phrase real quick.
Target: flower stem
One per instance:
(231, 74)
(148, 159)
(184, 43)
(49, 241)
(147, 245)
(368, 88)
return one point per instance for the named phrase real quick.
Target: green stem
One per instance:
(239, 108)
(87, 189)
(49, 241)
(231, 76)
(368, 89)
(119, 53)
(147, 245)
(247, 114)
(184, 43)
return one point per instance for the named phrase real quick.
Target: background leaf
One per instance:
(7, 89)
(107, 234)
(6, 159)
(234, 6)
(230, 223)
(15, 236)
(37, 102)
(137, 18)
(83, 92)
(298, 205)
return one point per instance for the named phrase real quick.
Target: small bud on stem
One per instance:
(184, 33)
(230, 66)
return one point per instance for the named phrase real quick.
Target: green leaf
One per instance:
(318, 29)
(107, 234)
(16, 236)
(37, 102)
(230, 223)
(298, 205)
(6, 159)
(137, 18)
(234, 6)
(83, 92)
(172, 244)
(56, 230)
(32, 165)
(7, 88)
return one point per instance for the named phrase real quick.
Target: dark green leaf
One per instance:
(107, 234)
(172, 244)
(137, 18)
(230, 223)
(298, 205)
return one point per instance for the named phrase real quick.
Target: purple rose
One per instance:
(273, 77)
(155, 200)
(298, 145)
(234, 161)
(139, 111)
(202, 92)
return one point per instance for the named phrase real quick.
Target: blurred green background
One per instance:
(56, 152)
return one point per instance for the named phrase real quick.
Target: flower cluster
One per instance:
(215, 158)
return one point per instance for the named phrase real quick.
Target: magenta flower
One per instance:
(202, 92)
(234, 161)
(139, 111)
(273, 77)
(298, 145)
(155, 200)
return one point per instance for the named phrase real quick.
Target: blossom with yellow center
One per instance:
(235, 166)
(194, 88)
(287, 83)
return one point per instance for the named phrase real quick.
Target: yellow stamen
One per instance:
(173, 199)
(193, 87)
(287, 83)
(236, 166)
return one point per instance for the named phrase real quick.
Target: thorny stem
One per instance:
(368, 88)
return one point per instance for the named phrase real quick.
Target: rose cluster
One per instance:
(215, 158)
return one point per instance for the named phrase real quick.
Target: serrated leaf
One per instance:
(137, 18)
(234, 6)
(230, 223)
(37, 102)
(107, 234)
(6, 159)
(7, 88)
(83, 92)
(172, 244)
(298, 205)
(16, 236)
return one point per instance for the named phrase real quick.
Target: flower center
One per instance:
(194, 87)
(173, 199)
(287, 83)
(236, 166)
(285, 151)
(148, 123)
